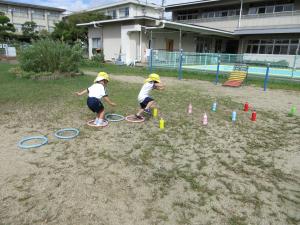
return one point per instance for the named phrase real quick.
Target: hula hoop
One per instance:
(133, 119)
(43, 138)
(120, 117)
(59, 133)
(91, 123)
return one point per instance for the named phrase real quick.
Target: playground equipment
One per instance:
(60, 133)
(253, 116)
(246, 107)
(44, 140)
(134, 119)
(214, 107)
(155, 112)
(205, 120)
(293, 111)
(161, 124)
(111, 117)
(92, 124)
(190, 108)
(237, 76)
(233, 116)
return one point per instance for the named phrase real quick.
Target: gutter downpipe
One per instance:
(241, 12)
(162, 26)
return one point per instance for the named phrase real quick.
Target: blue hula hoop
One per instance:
(114, 120)
(43, 138)
(59, 133)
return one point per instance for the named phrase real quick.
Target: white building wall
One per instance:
(134, 10)
(187, 40)
(130, 35)
(111, 41)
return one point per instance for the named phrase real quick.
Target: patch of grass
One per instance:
(237, 220)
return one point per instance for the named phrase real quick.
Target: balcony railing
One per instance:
(236, 17)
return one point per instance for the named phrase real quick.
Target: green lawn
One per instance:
(142, 71)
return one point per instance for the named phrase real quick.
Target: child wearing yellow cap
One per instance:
(95, 93)
(144, 98)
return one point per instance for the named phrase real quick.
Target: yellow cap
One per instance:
(102, 76)
(153, 77)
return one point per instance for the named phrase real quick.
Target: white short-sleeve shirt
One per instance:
(97, 91)
(145, 91)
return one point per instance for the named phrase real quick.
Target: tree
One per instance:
(68, 31)
(6, 28)
(28, 29)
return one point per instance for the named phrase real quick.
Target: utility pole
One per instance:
(163, 10)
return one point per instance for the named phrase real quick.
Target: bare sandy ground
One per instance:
(271, 100)
(222, 174)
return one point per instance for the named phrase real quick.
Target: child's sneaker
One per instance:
(96, 121)
(148, 111)
(100, 122)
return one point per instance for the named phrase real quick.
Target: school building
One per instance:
(45, 17)
(260, 27)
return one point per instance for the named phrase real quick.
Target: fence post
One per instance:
(266, 77)
(218, 70)
(151, 60)
(294, 66)
(180, 65)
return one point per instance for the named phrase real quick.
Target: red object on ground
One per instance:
(233, 83)
(253, 116)
(246, 107)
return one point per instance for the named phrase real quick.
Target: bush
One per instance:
(50, 56)
(96, 61)
(42, 75)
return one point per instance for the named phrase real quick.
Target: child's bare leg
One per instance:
(150, 105)
(100, 115)
(140, 112)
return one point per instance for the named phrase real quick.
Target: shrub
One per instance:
(96, 61)
(50, 56)
(42, 75)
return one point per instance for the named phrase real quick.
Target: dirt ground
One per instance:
(133, 174)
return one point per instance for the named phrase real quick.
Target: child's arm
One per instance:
(109, 101)
(159, 86)
(82, 92)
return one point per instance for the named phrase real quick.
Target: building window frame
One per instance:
(124, 12)
(283, 46)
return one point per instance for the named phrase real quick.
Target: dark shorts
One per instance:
(145, 102)
(95, 105)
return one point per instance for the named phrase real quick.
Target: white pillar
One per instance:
(241, 13)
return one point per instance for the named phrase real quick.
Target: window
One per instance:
(204, 15)
(53, 16)
(38, 14)
(271, 9)
(3, 8)
(288, 8)
(279, 8)
(224, 13)
(269, 46)
(96, 43)
(252, 11)
(293, 50)
(18, 27)
(112, 13)
(51, 29)
(20, 12)
(40, 28)
(261, 10)
(124, 12)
